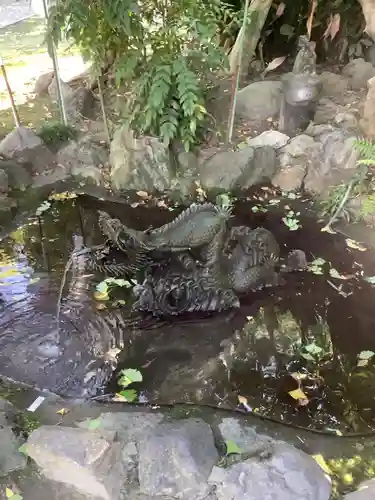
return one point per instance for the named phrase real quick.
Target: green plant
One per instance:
(55, 133)
(358, 185)
(291, 220)
(126, 378)
(161, 50)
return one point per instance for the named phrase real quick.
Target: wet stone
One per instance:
(10, 458)
(365, 491)
(129, 427)
(176, 460)
(90, 461)
(288, 475)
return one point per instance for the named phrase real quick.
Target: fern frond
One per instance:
(366, 149)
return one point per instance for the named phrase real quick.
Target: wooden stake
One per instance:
(10, 93)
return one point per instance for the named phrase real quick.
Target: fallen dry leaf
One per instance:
(280, 9)
(297, 394)
(275, 63)
(333, 27)
(327, 229)
(63, 411)
(143, 194)
(355, 245)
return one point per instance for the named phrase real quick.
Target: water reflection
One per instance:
(302, 336)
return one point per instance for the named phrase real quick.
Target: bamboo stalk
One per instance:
(10, 94)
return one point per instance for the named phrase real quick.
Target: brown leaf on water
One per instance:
(299, 396)
(63, 411)
(310, 19)
(143, 194)
(333, 27)
(280, 9)
(355, 245)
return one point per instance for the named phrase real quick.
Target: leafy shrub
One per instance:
(162, 49)
(54, 134)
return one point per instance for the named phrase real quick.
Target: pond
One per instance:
(299, 353)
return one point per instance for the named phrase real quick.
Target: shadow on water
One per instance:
(304, 334)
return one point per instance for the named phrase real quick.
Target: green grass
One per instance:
(34, 113)
(23, 48)
(21, 42)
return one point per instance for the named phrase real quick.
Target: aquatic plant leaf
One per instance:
(318, 262)
(128, 376)
(232, 447)
(319, 459)
(129, 395)
(23, 449)
(101, 296)
(9, 494)
(102, 287)
(297, 394)
(307, 356)
(93, 424)
(313, 348)
(366, 354)
(370, 279)
(362, 363)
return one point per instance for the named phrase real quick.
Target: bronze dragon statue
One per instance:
(195, 263)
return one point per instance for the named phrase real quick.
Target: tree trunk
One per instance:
(258, 12)
(368, 7)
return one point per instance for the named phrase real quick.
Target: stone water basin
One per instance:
(256, 352)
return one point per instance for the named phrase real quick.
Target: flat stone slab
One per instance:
(176, 459)
(88, 460)
(10, 458)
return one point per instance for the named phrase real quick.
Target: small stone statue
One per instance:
(305, 63)
(301, 89)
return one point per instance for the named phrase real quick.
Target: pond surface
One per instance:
(306, 334)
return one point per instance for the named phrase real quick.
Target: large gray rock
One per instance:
(176, 460)
(272, 138)
(365, 491)
(294, 159)
(4, 183)
(333, 85)
(326, 110)
(246, 437)
(333, 163)
(88, 460)
(19, 176)
(128, 426)
(42, 84)
(83, 160)
(289, 474)
(142, 164)
(23, 145)
(78, 102)
(243, 168)
(368, 121)
(260, 100)
(10, 458)
(358, 73)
